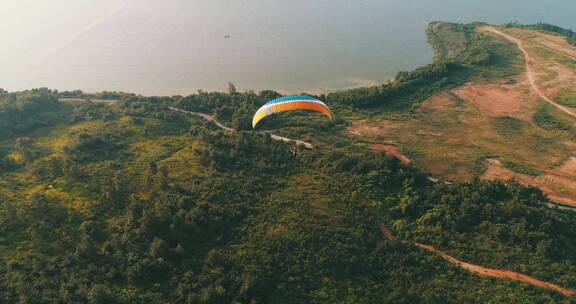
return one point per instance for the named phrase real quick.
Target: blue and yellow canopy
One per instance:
(290, 103)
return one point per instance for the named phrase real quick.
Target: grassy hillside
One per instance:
(568, 99)
(483, 117)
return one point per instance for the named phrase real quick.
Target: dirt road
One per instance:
(530, 74)
(225, 128)
(482, 271)
(205, 117)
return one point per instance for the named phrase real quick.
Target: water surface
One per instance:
(171, 47)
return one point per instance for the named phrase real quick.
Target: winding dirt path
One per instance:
(225, 128)
(530, 74)
(482, 271)
(204, 116)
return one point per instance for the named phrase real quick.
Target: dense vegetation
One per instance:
(21, 113)
(114, 209)
(499, 225)
(104, 95)
(129, 202)
(236, 110)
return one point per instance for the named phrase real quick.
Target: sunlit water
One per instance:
(179, 46)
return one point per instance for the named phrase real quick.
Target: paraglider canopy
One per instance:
(290, 103)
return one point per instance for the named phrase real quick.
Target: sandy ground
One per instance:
(493, 99)
(483, 271)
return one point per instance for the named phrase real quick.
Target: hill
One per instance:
(505, 119)
(127, 201)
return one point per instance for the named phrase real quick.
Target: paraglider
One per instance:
(290, 103)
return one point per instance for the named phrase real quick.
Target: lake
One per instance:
(179, 46)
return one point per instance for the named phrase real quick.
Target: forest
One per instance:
(129, 202)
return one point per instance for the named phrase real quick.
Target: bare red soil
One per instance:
(493, 99)
(392, 150)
